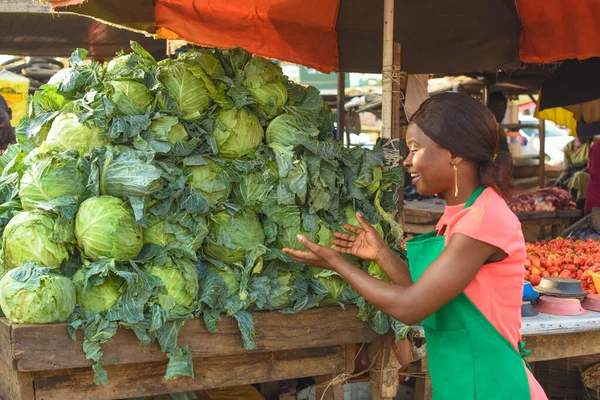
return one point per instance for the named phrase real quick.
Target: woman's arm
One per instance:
(394, 267)
(446, 278)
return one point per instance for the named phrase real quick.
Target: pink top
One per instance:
(497, 289)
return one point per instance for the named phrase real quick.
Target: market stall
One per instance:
(318, 343)
(274, 360)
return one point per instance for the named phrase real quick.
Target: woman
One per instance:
(574, 176)
(466, 279)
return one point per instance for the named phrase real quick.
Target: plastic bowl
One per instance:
(561, 287)
(529, 294)
(559, 306)
(527, 310)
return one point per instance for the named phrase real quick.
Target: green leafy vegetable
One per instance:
(105, 227)
(33, 295)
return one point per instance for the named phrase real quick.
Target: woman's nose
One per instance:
(408, 160)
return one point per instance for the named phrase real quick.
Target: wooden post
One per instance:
(387, 65)
(423, 385)
(384, 373)
(341, 101)
(331, 387)
(398, 88)
(542, 153)
(399, 115)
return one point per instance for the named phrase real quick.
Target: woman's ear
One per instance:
(456, 160)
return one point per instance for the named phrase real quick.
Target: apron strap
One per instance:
(524, 354)
(474, 197)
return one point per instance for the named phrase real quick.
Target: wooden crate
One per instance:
(42, 362)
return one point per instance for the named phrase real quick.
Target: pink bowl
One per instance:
(558, 306)
(592, 302)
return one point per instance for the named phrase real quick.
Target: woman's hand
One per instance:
(316, 256)
(366, 243)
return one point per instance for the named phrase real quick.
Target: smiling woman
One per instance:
(465, 279)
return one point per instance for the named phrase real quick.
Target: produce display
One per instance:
(142, 194)
(548, 199)
(563, 258)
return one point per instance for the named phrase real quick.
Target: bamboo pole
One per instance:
(341, 101)
(387, 68)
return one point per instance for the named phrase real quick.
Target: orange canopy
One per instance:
(331, 35)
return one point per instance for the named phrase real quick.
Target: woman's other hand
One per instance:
(365, 243)
(316, 256)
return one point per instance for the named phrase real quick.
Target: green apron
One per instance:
(468, 357)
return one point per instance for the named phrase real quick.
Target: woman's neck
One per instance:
(466, 187)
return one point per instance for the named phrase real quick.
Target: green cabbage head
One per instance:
(130, 97)
(263, 80)
(175, 237)
(28, 237)
(105, 227)
(238, 133)
(180, 280)
(205, 179)
(168, 128)
(67, 133)
(290, 130)
(97, 298)
(230, 236)
(53, 176)
(32, 295)
(190, 93)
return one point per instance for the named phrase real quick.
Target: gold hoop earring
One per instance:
(455, 180)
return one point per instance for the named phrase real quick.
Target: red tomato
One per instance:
(545, 274)
(535, 280)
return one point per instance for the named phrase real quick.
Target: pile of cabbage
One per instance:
(142, 194)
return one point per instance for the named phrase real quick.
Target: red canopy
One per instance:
(436, 35)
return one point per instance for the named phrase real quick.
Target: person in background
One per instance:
(592, 198)
(575, 177)
(7, 133)
(498, 103)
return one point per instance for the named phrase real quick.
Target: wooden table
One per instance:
(549, 337)
(42, 362)
(422, 216)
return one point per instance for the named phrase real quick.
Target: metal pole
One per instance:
(542, 153)
(341, 101)
(387, 68)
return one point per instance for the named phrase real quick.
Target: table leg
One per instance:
(384, 373)
(423, 389)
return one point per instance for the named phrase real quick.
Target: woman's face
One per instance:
(428, 164)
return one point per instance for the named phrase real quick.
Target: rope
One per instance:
(395, 74)
(345, 376)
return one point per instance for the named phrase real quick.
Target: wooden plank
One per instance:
(569, 213)
(526, 216)
(48, 347)
(553, 347)
(135, 380)
(6, 351)
(15, 385)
